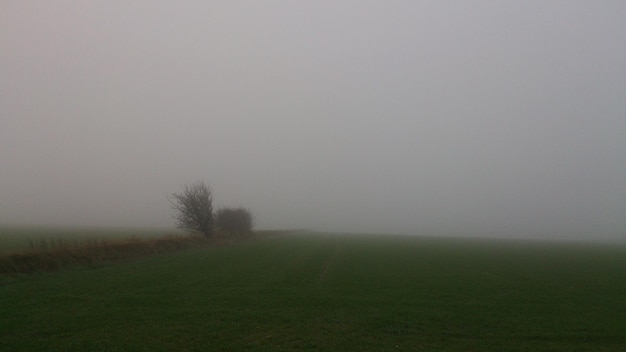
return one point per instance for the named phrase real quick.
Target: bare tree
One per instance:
(194, 208)
(236, 221)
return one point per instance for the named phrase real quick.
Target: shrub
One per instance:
(234, 221)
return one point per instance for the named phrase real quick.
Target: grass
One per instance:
(329, 292)
(23, 238)
(53, 252)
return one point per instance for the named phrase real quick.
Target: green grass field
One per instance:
(329, 293)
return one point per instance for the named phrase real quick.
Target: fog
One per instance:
(478, 118)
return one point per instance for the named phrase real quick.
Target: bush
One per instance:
(234, 221)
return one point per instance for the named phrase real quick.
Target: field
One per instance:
(325, 292)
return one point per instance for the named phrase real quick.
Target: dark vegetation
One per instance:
(234, 221)
(194, 213)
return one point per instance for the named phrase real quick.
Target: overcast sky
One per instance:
(494, 118)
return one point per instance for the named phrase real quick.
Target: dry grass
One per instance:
(56, 253)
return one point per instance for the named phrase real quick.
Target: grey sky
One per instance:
(434, 117)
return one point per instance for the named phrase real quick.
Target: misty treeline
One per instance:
(194, 212)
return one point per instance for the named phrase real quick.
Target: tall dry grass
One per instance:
(55, 253)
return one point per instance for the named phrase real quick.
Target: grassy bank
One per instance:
(16, 239)
(29, 250)
(325, 292)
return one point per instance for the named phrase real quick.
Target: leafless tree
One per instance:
(194, 208)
